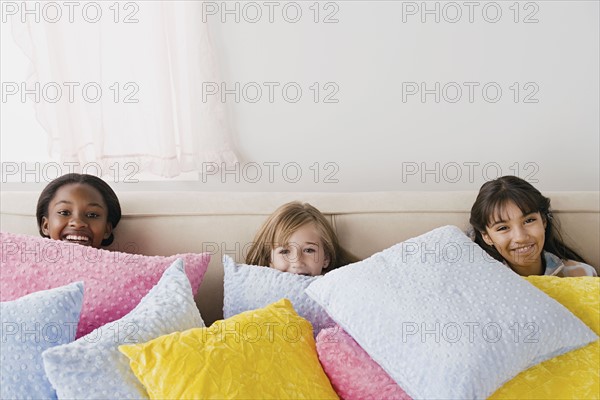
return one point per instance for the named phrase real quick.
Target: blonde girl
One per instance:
(297, 238)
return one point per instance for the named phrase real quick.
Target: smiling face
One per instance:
(518, 238)
(303, 254)
(78, 214)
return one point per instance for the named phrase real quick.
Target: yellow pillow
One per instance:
(267, 353)
(574, 375)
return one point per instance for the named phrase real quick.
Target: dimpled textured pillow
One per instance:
(248, 287)
(115, 282)
(574, 375)
(93, 368)
(445, 321)
(261, 354)
(30, 325)
(353, 374)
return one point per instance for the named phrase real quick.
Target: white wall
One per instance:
(372, 138)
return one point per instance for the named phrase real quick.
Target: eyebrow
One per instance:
(305, 243)
(70, 202)
(501, 221)
(494, 223)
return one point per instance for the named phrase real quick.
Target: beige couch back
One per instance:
(166, 223)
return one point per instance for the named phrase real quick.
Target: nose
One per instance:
(520, 234)
(76, 221)
(296, 260)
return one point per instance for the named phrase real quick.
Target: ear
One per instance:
(487, 239)
(45, 229)
(326, 262)
(108, 230)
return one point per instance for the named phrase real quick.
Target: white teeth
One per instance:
(523, 249)
(77, 238)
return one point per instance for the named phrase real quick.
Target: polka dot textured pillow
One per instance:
(443, 319)
(115, 282)
(31, 325)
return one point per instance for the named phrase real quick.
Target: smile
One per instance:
(77, 238)
(524, 249)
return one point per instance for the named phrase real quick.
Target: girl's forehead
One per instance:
(508, 210)
(305, 232)
(79, 191)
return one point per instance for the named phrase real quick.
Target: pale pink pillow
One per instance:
(353, 374)
(114, 282)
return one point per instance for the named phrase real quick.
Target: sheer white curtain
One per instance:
(130, 85)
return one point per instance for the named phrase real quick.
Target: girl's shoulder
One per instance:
(567, 268)
(576, 268)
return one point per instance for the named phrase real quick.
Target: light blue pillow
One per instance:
(444, 320)
(92, 367)
(249, 287)
(30, 325)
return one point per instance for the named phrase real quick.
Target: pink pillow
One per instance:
(114, 282)
(353, 374)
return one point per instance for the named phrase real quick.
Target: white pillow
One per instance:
(30, 325)
(444, 320)
(93, 368)
(249, 287)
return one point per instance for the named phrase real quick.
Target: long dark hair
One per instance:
(493, 198)
(109, 196)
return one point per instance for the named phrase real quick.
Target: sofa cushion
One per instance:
(573, 375)
(93, 368)
(248, 287)
(436, 303)
(267, 353)
(30, 325)
(353, 374)
(115, 282)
